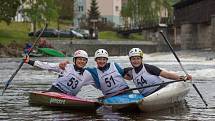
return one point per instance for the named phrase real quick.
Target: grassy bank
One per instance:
(14, 32)
(18, 31)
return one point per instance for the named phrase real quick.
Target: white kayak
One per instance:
(165, 97)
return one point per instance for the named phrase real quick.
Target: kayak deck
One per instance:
(161, 99)
(60, 100)
(124, 102)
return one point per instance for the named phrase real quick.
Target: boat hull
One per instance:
(50, 52)
(60, 100)
(165, 97)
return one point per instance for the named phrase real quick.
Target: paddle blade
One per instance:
(13, 75)
(5, 87)
(197, 90)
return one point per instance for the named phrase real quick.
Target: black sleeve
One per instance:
(152, 69)
(31, 62)
(128, 71)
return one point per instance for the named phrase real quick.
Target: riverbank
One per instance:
(14, 36)
(11, 50)
(115, 48)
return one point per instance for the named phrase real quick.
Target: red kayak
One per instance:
(60, 100)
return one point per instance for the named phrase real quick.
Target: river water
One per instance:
(200, 64)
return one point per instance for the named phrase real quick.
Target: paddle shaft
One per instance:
(22, 62)
(168, 43)
(127, 90)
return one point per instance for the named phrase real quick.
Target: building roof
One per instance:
(184, 3)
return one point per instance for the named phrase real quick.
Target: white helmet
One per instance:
(81, 53)
(101, 53)
(135, 52)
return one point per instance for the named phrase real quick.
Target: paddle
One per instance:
(197, 90)
(22, 62)
(127, 90)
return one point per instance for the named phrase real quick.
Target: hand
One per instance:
(26, 59)
(127, 77)
(187, 77)
(63, 64)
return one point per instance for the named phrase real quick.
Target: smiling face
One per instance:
(136, 61)
(101, 61)
(80, 62)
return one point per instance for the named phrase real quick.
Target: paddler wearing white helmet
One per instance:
(144, 74)
(74, 76)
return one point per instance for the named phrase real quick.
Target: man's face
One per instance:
(136, 61)
(80, 62)
(101, 61)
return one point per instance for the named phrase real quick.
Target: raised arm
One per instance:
(44, 65)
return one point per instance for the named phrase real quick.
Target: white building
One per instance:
(109, 10)
(20, 15)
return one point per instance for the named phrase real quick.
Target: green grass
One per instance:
(110, 35)
(14, 32)
(136, 36)
(18, 31)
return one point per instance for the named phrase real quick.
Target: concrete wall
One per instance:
(186, 36)
(203, 36)
(115, 48)
(155, 36)
(213, 31)
(198, 36)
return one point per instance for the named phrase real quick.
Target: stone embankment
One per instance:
(115, 48)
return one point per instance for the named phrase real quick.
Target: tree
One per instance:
(125, 13)
(66, 9)
(144, 11)
(93, 13)
(8, 9)
(41, 11)
(93, 17)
